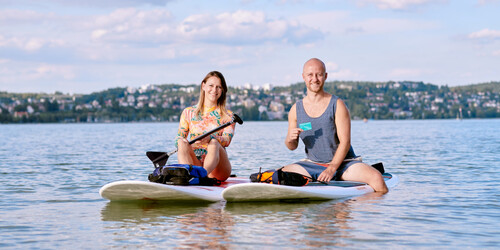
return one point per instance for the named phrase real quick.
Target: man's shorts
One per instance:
(316, 168)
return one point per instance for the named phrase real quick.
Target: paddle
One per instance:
(160, 158)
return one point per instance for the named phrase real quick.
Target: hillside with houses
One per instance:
(366, 100)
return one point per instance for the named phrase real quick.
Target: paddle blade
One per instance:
(379, 166)
(158, 158)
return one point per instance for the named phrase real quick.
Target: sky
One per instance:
(80, 47)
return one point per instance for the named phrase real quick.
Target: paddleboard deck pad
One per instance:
(151, 191)
(313, 191)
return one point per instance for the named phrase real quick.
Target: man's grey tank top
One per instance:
(321, 141)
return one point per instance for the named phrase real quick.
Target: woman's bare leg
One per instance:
(185, 154)
(217, 162)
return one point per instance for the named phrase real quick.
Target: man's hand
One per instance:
(294, 134)
(327, 174)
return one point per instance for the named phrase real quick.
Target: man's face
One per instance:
(314, 76)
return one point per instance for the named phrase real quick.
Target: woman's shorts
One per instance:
(316, 168)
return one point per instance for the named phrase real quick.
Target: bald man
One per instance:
(323, 123)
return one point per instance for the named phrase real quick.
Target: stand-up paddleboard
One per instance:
(151, 191)
(312, 191)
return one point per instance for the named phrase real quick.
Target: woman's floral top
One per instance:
(196, 125)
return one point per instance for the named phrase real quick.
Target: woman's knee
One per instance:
(183, 146)
(214, 144)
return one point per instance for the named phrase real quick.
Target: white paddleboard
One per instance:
(150, 191)
(312, 191)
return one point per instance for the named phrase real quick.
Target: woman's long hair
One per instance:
(221, 102)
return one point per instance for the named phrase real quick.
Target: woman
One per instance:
(209, 113)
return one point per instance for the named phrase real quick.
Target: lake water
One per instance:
(448, 195)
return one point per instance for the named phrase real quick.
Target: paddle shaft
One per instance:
(165, 156)
(203, 136)
(211, 131)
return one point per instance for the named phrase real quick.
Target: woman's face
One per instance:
(213, 89)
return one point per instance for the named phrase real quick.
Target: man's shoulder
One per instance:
(335, 98)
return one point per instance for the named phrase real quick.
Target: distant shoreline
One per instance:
(366, 100)
(251, 121)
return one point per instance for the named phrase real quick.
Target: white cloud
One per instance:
(21, 17)
(485, 34)
(397, 4)
(245, 27)
(227, 62)
(131, 25)
(96, 34)
(91, 3)
(466, 74)
(58, 71)
(343, 74)
(31, 31)
(331, 66)
(336, 73)
(496, 53)
(3, 41)
(33, 44)
(326, 21)
(29, 44)
(386, 25)
(145, 35)
(405, 72)
(32, 74)
(239, 27)
(484, 2)
(342, 22)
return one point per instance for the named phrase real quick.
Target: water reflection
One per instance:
(197, 225)
(257, 208)
(318, 224)
(146, 212)
(225, 225)
(209, 228)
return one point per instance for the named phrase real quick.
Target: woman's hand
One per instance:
(183, 139)
(203, 141)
